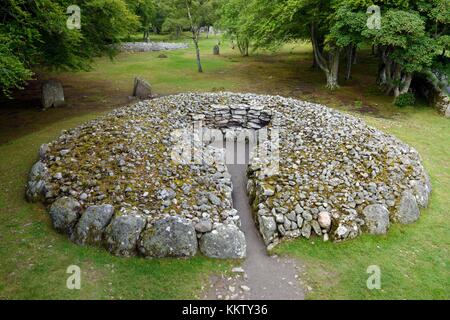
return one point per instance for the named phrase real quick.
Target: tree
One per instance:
(195, 14)
(35, 33)
(404, 48)
(232, 19)
(146, 11)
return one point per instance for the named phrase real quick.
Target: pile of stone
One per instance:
(124, 181)
(151, 46)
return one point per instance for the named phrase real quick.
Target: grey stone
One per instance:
(64, 213)
(408, 210)
(37, 186)
(224, 242)
(203, 226)
(142, 88)
(52, 94)
(316, 227)
(43, 151)
(267, 227)
(92, 224)
(169, 237)
(306, 230)
(216, 50)
(421, 192)
(123, 233)
(376, 218)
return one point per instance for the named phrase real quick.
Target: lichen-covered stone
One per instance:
(224, 242)
(408, 210)
(92, 224)
(267, 227)
(37, 185)
(169, 237)
(376, 218)
(65, 213)
(123, 233)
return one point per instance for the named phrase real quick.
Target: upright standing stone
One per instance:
(216, 50)
(52, 94)
(142, 88)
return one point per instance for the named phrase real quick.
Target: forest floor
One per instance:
(414, 259)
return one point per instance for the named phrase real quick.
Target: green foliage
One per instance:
(35, 33)
(405, 99)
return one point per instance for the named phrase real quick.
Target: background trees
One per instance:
(35, 33)
(414, 34)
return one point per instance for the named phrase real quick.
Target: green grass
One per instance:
(414, 259)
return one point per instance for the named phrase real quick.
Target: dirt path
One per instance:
(263, 276)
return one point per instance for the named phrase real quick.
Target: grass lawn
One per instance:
(414, 259)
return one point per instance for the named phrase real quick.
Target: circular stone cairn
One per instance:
(122, 182)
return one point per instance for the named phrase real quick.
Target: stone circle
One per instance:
(123, 181)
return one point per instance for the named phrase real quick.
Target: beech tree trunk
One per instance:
(348, 72)
(330, 67)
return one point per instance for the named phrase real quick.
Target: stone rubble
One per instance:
(151, 46)
(332, 170)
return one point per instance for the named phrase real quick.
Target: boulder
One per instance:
(64, 213)
(142, 89)
(421, 192)
(169, 237)
(43, 151)
(37, 185)
(376, 218)
(408, 210)
(203, 226)
(216, 50)
(267, 227)
(224, 242)
(52, 94)
(92, 224)
(324, 220)
(123, 233)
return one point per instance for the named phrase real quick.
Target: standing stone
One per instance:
(408, 210)
(92, 224)
(376, 218)
(64, 213)
(169, 237)
(123, 233)
(216, 50)
(142, 89)
(52, 94)
(224, 242)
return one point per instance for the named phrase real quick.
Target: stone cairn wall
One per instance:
(124, 182)
(151, 46)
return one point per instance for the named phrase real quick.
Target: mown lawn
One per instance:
(414, 259)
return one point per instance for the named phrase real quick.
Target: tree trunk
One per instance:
(195, 35)
(197, 53)
(332, 74)
(355, 54)
(330, 67)
(348, 73)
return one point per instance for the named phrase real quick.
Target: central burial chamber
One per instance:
(151, 179)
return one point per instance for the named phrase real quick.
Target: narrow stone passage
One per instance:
(263, 277)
